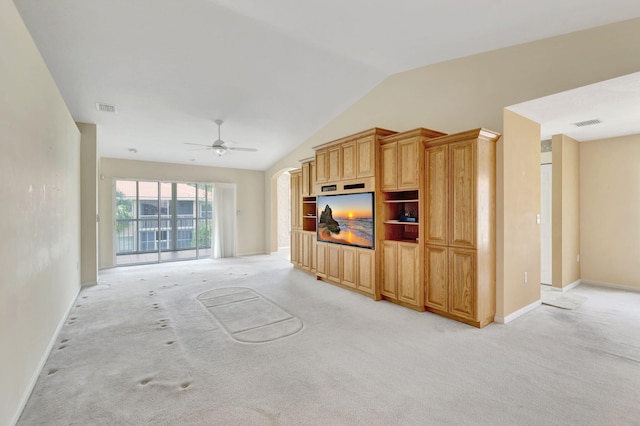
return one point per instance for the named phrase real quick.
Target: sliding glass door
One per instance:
(162, 221)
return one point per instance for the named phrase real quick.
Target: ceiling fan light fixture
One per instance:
(219, 151)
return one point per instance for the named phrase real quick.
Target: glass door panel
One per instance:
(205, 215)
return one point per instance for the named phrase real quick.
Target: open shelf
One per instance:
(400, 216)
(309, 214)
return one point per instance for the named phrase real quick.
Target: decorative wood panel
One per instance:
(462, 282)
(437, 184)
(462, 209)
(436, 277)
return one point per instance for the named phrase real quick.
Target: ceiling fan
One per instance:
(219, 146)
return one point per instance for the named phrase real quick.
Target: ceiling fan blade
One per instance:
(242, 149)
(200, 149)
(197, 144)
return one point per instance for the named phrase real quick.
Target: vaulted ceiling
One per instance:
(276, 71)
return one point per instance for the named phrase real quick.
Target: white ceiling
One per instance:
(276, 71)
(615, 103)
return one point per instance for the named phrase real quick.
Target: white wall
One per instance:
(249, 202)
(40, 192)
(610, 210)
(566, 211)
(88, 204)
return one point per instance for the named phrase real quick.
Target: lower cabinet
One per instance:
(401, 279)
(303, 250)
(453, 288)
(295, 248)
(348, 266)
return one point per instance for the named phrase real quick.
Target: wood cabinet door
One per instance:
(333, 157)
(322, 168)
(348, 154)
(321, 260)
(294, 247)
(314, 254)
(389, 269)
(436, 162)
(305, 243)
(462, 196)
(462, 282)
(349, 268)
(409, 281)
(333, 262)
(408, 166)
(305, 181)
(436, 292)
(389, 154)
(366, 157)
(312, 177)
(365, 270)
(296, 200)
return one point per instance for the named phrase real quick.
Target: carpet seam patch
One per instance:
(262, 325)
(253, 313)
(231, 302)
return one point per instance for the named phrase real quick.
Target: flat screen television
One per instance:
(346, 219)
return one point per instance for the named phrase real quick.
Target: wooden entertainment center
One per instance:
(434, 219)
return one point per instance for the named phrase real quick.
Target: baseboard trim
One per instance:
(572, 285)
(611, 285)
(520, 312)
(43, 360)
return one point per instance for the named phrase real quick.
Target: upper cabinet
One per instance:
(366, 159)
(308, 178)
(322, 168)
(350, 160)
(400, 160)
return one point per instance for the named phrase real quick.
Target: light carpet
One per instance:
(559, 299)
(140, 349)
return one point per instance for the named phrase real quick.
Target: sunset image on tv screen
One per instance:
(346, 219)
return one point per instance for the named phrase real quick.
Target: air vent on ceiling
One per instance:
(587, 123)
(106, 108)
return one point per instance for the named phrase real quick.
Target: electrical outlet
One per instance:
(578, 258)
(526, 277)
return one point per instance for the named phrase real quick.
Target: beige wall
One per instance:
(40, 192)
(517, 204)
(249, 202)
(610, 210)
(88, 204)
(566, 211)
(471, 92)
